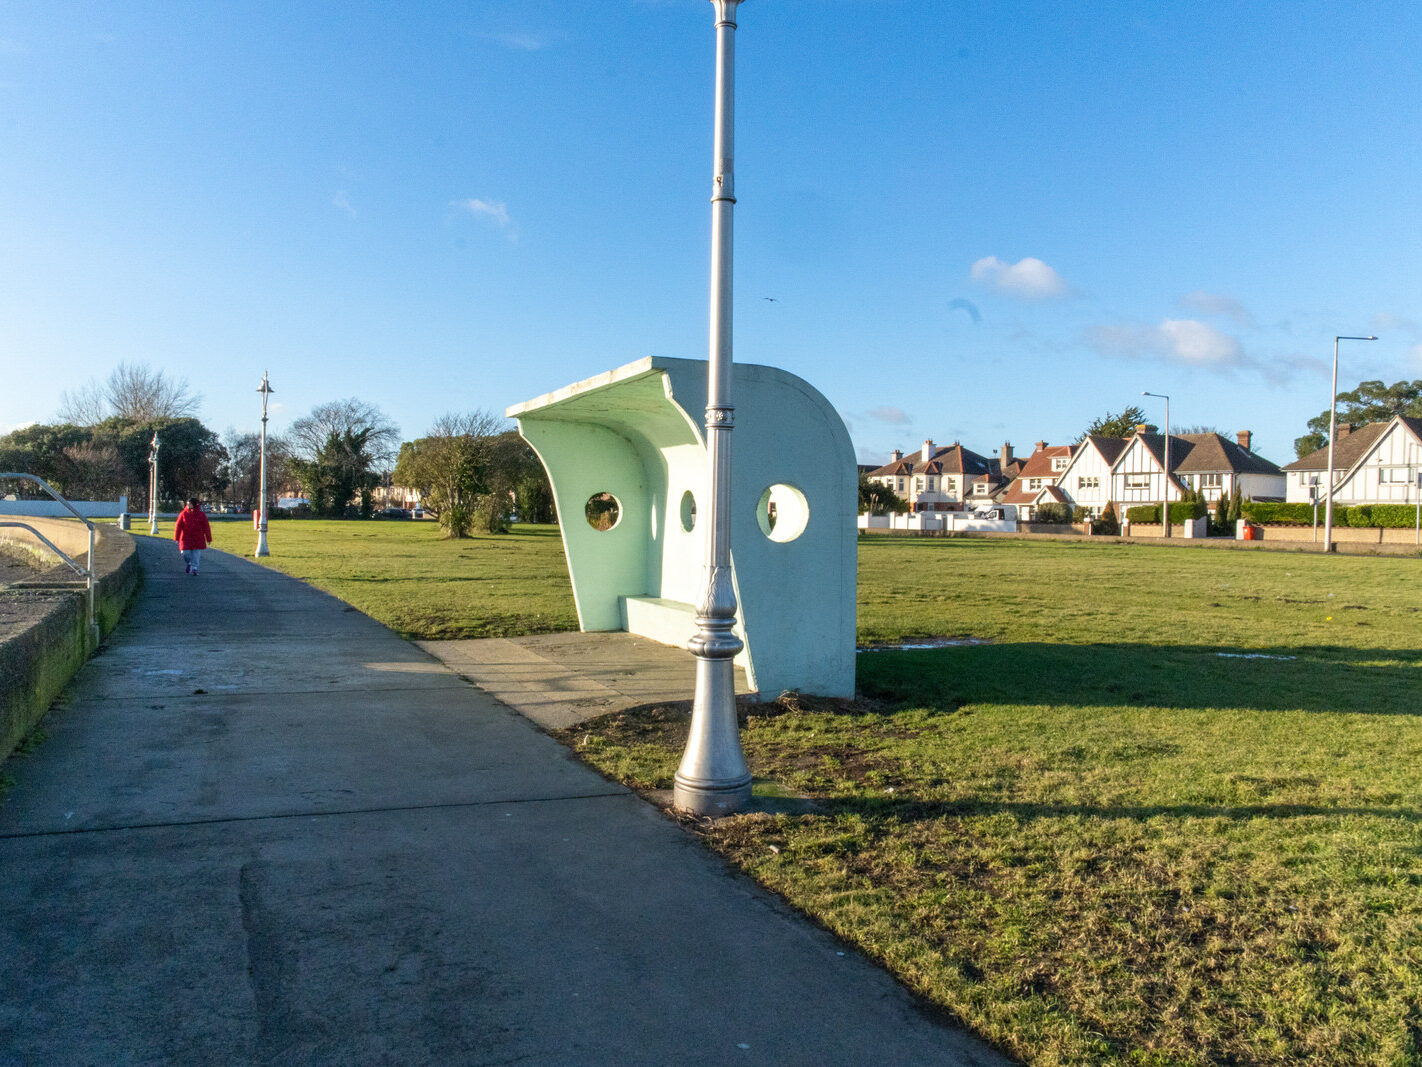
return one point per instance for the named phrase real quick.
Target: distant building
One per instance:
(933, 478)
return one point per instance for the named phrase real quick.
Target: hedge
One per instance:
(1180, 511)
(1394, 516)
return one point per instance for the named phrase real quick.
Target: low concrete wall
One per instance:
(43, 624)
(90, 509)
(1353, 535)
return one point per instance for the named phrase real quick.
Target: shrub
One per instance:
(1080, 514)
(1358, 515)
(1107, 523)
(1278, 514)
(1143, 513)
(1053, 513)
(1395, 516)
(1181, 510)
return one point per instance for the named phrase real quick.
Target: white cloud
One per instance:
(1187, 341)
(495, 212)
(892, 415)
(11, 427)
(1027, 279)
(1221, 306)
(342, 201)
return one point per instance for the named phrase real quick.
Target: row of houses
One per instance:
(1377, 463)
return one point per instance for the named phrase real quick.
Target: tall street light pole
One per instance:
(713, 778)
(1165, 490)
(153, 486)
(266, 390)
(1332, 435)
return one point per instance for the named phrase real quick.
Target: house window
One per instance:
(1393, 475)
(918, 484)
(901, 485)
(930, 483)
(1138, 481)
(1088, 482)
(1034, 483)
(1211, 481)
(1059, 463)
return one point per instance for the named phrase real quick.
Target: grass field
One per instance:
(408, 577)
(1167, 813)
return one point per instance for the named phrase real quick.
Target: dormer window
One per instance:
(1059, 463)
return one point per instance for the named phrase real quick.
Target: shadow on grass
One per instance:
(1188, 677)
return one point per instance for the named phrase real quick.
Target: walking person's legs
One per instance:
(192, 557)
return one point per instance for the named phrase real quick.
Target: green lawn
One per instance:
(420, 585)
(1169, 812)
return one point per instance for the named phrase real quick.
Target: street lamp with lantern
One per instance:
(713, 778)
(153, 486)
(266, 390)
(1165, 490)
(1332, 436)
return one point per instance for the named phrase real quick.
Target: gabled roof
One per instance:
(1193, 453)
(1413, 425)
(1039, 463)
(954, 459)
(1346, 450)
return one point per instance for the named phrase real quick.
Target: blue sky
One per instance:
(977, 222)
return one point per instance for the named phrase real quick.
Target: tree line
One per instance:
(468, 469)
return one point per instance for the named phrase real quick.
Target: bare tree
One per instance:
(132, 391)
(308, 435)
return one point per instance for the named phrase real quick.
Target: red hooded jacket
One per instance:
(192, 530)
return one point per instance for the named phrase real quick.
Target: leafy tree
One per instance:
(452, 467)
(518, 485)
(1236, 505)
(1108, 425)
(1371, 401)
(876, 498)
(132, 391)
(1222, 511)
(1053, 513)
(1309, 442)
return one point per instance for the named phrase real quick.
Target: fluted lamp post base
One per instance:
(713, 778)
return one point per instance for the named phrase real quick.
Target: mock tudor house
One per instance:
(1036, 481)
(1373, 464)
(934, 479)
(1207, 462)
(1086, 481)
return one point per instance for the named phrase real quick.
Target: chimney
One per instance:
(1244, 437)
(895, 456)
(1147, 427)
(1040, 445)
(1006, 455)
(927, 451)
(1344, 429)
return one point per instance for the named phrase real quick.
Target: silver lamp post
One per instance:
(266, 390)
(713, 778)
(153, 486)
(1165, 489)
(1332, 433)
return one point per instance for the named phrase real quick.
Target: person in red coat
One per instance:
(193, 534)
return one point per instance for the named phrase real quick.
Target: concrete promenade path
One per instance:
(264, 829)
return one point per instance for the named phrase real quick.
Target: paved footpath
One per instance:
(264, 829)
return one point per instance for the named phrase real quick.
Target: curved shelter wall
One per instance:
(635, 432)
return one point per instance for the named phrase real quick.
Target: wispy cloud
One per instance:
(342, 201)
(889, 414)
(1186, 341)
(1027, 279)
(494, 212)
(517, 42)
(1220, 306)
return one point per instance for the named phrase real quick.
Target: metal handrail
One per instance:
(86, 572)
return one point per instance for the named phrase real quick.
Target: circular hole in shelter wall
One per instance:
(783, 512)
(603, 511)
(688, 511)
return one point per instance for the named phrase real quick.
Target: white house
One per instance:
(933, 479)
(1036, 481)
(1086, 480)
(1372, 464)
